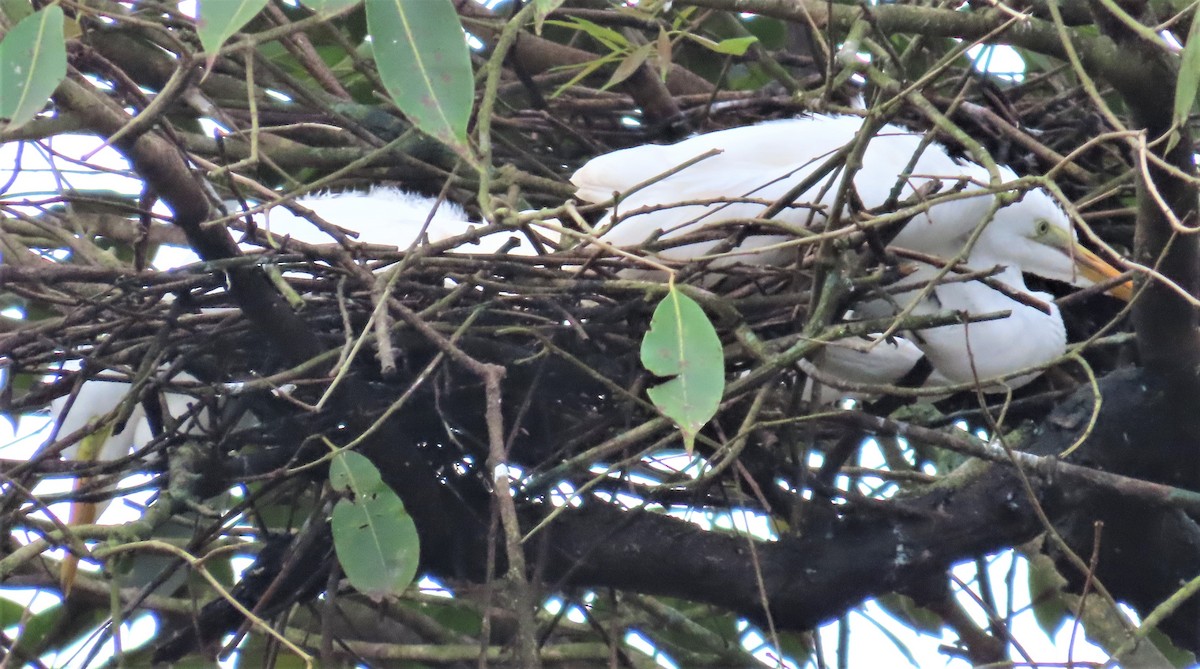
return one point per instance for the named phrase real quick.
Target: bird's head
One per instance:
(1036, 235)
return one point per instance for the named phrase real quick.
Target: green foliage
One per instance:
(260, 650)
(221, 19)
(11, 613)
(375, 538)
(15, 10)
(33, 61)
(902, 607)
(329, 6)
(682, 344)
(422, 56)
(771, 33)
(630, 64)
(1188, 83)
(1174, 654)
(544, 7)
(56, 628)
(1050, 608)
(734, 46)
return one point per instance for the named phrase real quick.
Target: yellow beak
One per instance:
(1096, 269)
(82, 513)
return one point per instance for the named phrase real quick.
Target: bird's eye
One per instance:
(1043, 228)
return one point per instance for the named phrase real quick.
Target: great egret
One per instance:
(95, 407)
(389, 216)
(753, 166)
(861, 360)
(735, 174)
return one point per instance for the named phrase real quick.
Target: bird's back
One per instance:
(758, 165)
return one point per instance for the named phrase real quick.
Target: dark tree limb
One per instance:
(814, 578)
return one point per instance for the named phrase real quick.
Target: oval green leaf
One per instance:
(218, 20)
(353, 473)
(375, 538)
(1188, 81)
(423, 60)
(33, 62)
(682, 344)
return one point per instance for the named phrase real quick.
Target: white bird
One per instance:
(861, 360)
(755, 165)
(98, 401)
(382, 215)
(392, 217)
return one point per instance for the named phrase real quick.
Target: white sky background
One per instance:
(874, 634)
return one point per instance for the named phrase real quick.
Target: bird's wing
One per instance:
(764, 162)
(861, 360)
(383, 215)
(770, 147)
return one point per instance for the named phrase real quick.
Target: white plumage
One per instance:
(754, 166)
(382, 215)
(763, 162)
(389, 216)
(97, 400)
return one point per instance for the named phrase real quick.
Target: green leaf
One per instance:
(58, 627)
(15, 10)
(543, 8)
(375, 538)
(734, 46)
(353, 472)
(11, 613)
(771, 33)
(450, 613)
(328, 6)
(1046, 595)
(1175, 655)
(663, 49)
(610, 38)
(585, 70)
(33, 62)
(683, 344)
(1188, 81)
(904, 609)
(34, 634)
(629, 65)
(796, 646)
(218, 20)
(423, 60)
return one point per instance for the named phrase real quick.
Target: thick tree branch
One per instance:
(815, 577)
(1166, 324)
